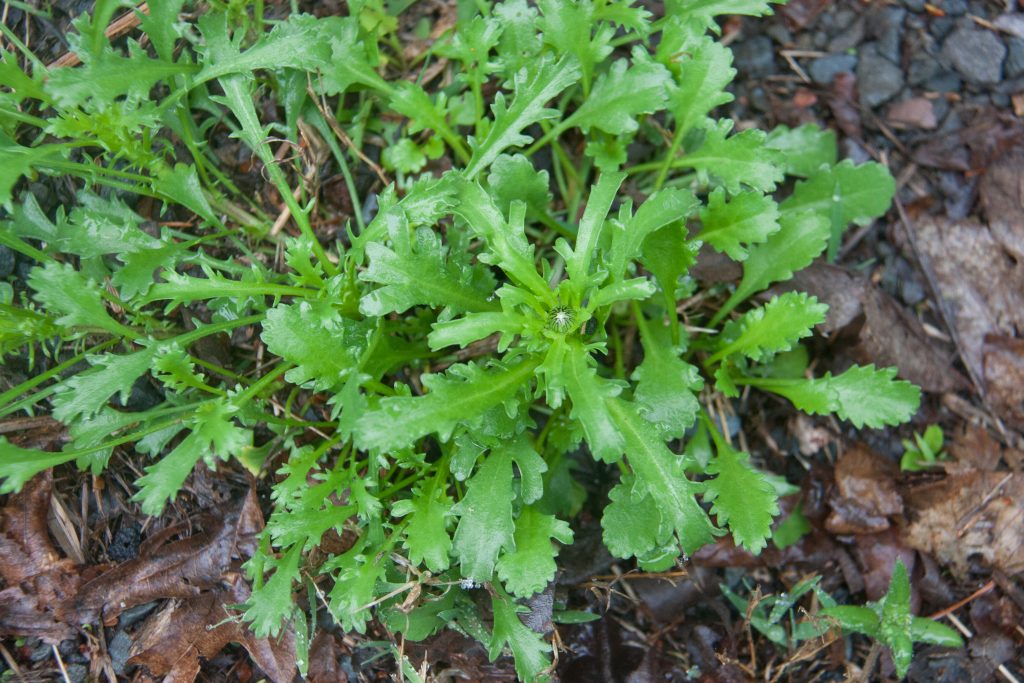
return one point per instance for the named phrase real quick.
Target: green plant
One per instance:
(425, 380)
(769, 614)
(924, 451)
(891, 623)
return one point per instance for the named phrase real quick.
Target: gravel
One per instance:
(878, 79)
(977, 55)
(885, 25)
(823, 69)
(1014, 65)
(755, 57)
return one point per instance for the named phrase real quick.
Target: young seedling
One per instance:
(924, 451)
(890, 622)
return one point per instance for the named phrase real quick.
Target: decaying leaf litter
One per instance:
(901, 515)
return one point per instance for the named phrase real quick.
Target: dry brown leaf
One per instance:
(325, 656)
(877, 554)
(1003, 372)
(973, 448)
(842, 100)
(181, 569)
(969, 514)
(865, 494)
(1002, 197)
(982, 284)
(800, 14)
(40, 584)
(987, 136)
(173, 641)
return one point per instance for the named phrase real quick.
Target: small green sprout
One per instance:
(890, 622)
(924, 451)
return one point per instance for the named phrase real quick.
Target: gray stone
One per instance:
(119, 649)
(1012, 23)
(952, 123)
(1011, 86)
(77, 673)
(823, 69)
(844, 17)
(954, 8)
(976, 54)
(133, 615)
(849, 37)
(779, 33)
(914, 5)
(944, 81)
(1014, 65)
(878, 79)
(885, 24)
(755, 57)
(853, 150)
(923, 67)
(941, 26)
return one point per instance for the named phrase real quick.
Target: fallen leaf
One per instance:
(982, 284)
(987, 136)
(804, 98)
(172, 642)
(877, 554)
(180, 569)
(800, 14)
(325, 655)
(969, 514)
(39, 583)
(973, 449)
(865, 495)
(842, 100)
(1003, 372)
(1002, 199)
(891, 337)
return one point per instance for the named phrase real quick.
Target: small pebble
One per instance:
(953, 8)
(1014, 65)
(755, 57)
(976, 54)
(824, 69)
(878, 79)
(119, 649)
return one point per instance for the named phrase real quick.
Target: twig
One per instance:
(120, 26)
(343, 136)
(869, 662)
(970, 518)
(968, 635)
(797, 69)
(11, 664)
(286, 213)
(20, 424)
(957, 605)
(60, 664)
